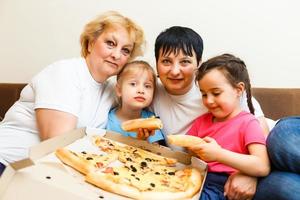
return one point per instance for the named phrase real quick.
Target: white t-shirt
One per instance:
(178, 112)
(66, 86)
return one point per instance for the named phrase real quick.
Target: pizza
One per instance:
(151, 123)
(84, 162)
(139, 174)
(153, 184)
(184, 140)
(130, 153)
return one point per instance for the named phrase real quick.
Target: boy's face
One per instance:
(176, 71)
(136, 90)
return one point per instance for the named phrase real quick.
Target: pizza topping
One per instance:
(116, 173)
(152, 184)
(133, 168)
(83, 152)
(99, 164)
(143, 164)
(89, 158)
(109, 170)
(129, 159)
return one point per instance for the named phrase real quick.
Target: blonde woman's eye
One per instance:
(126, 51)
(132, 84)
(110, 43)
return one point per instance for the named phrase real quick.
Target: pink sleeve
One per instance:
(254, 133)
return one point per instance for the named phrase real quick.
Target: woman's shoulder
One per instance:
(60, 66)
(68, 63)
(67, 72)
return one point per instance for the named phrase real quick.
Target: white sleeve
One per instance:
(257, 109)
(56, 88)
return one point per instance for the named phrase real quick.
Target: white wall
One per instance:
(264, 33)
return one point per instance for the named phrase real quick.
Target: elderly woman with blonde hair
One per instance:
(71, 93)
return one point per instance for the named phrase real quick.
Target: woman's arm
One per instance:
(255, 164)
(51, 122)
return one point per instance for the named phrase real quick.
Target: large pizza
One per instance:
(138, 174)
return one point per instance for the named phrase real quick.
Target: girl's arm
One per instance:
(255, 164)
(51, 123)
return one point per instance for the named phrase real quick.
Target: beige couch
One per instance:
(275, 102)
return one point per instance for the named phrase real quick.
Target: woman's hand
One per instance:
(51, 123)
(208, 151)
(240, 187)
(143, 134)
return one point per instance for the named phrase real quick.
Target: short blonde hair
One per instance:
(135, 66)
(97, 26)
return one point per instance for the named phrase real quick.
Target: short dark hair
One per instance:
(178, 38)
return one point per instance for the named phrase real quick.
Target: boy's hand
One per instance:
(143, 134)
(208, 151)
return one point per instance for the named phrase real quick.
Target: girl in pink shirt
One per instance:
(234, 138)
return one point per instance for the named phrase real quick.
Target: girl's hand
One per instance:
(208, 151)
(143, 134)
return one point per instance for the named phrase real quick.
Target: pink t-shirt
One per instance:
(233, 134)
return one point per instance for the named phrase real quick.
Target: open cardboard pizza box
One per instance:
(43, 176)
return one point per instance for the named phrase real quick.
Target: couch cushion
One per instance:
(9, 93)
(277, 103)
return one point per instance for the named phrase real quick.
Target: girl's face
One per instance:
(218, 95)
(176, 72)
(136, 90)
(109, 53)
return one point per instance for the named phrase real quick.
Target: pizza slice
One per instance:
(153, 184)
(184, 140)
(151, 123)
(85, 162)
(130, 153)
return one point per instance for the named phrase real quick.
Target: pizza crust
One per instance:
(100, 180)
(74, 161)
(103, 181)
(184, 140)
(193, 188)
(146, 123)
